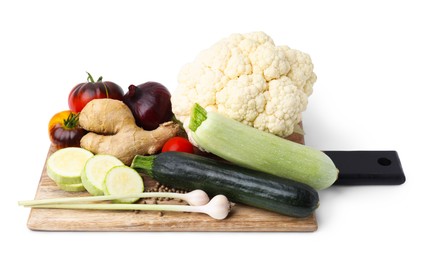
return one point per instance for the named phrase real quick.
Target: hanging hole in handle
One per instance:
(384, 161)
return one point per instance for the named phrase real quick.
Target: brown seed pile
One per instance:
(161, 188)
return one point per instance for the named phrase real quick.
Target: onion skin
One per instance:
(150, 104)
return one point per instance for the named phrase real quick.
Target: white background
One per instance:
(368, 56)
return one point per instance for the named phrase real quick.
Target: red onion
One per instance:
(150, 104)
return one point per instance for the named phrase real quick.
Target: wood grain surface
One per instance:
(241, 218)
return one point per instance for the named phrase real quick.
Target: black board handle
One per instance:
(367, 167)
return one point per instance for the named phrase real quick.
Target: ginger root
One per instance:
(112, 130)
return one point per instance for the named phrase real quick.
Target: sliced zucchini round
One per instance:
(65, 165)
(95, 170)
(71, 187)
(122, 180)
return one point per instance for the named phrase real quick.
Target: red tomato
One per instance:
(83, 93)
(64, 130)
(178, 144)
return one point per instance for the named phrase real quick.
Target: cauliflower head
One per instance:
(247, 78)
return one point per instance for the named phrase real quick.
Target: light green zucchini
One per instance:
(251, 148)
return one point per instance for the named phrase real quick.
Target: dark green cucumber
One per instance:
(240, 185)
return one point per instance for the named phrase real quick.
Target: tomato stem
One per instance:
(72, 121)
(90, 78)
(106, 89)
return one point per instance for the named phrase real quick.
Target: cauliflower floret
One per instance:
(248, 78)
(284, 106)
(301, 72)
(243, 99)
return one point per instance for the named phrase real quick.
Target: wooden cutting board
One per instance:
(241, 218)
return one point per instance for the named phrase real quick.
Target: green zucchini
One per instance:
(251, 148)
(241, 185)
